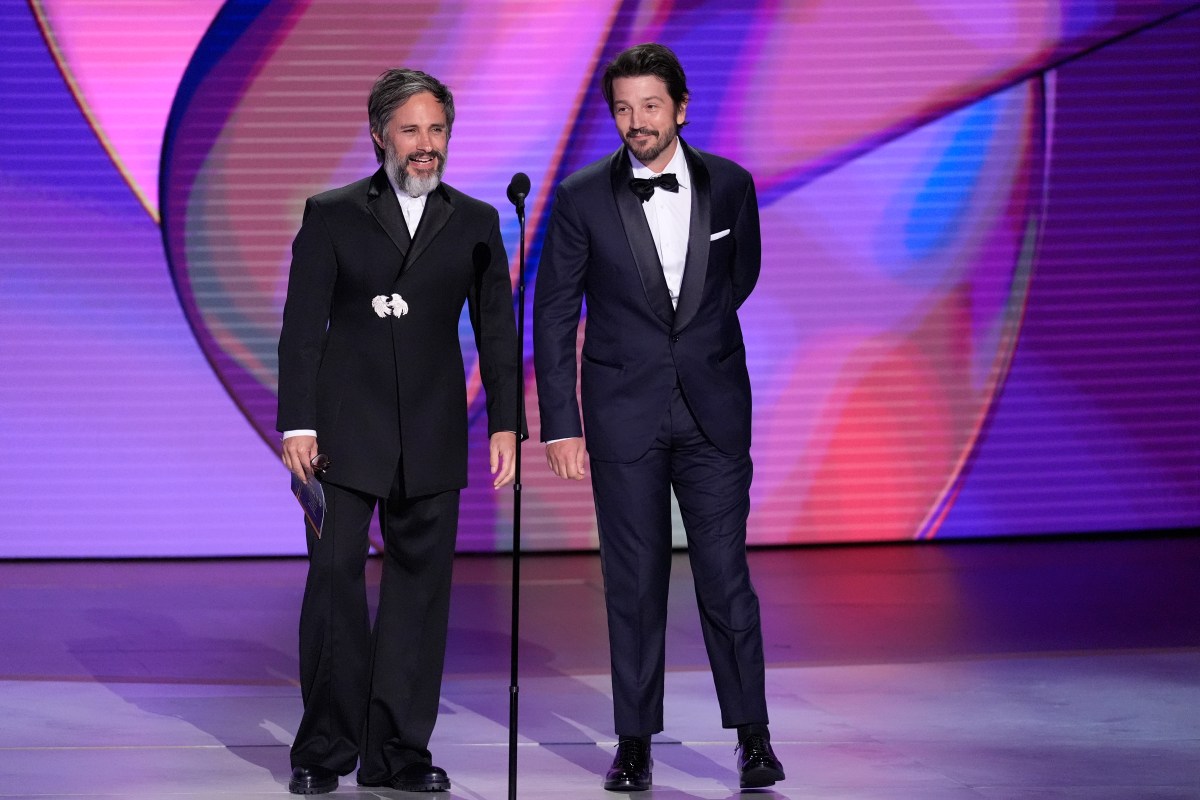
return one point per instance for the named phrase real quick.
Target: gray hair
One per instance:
(392, 89)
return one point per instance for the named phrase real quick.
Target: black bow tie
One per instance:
(644, 187)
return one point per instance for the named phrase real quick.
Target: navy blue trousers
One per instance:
(633, 511)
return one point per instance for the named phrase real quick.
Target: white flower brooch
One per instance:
(389, 306)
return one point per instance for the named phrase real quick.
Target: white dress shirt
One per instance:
(669, 215)
(413, 208)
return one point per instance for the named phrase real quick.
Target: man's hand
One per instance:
(298, 453)
(503, 457)
(566, 458)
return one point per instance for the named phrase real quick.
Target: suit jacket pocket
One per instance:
(724, 357)
(599, 363)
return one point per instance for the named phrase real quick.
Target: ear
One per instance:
(378, 141)
(681, 112)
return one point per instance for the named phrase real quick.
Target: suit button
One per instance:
(674, 339)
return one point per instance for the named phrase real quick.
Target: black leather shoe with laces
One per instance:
(757, 764)
(631, 768)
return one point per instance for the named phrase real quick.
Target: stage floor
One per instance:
(1017, 669)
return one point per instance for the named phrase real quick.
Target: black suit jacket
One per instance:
(378, 390)
(599, 247)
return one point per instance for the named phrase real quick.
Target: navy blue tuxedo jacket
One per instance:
(636, 348)
(378, 390)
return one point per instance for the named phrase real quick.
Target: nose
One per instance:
(424, 141)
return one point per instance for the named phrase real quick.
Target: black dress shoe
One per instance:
(631, 768)
(420, 777)
(757, 764)
(312, 780)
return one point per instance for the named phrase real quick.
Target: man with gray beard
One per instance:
(372, 393)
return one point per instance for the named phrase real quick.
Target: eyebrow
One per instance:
(659, 98)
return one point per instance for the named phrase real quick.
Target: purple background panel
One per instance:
(979, 312)
(1098, 427)
(121, 440)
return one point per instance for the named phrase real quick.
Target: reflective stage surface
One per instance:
(940, 671)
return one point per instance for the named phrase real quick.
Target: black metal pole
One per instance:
(516, 545)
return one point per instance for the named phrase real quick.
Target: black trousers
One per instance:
(633, 511)
(373, 694)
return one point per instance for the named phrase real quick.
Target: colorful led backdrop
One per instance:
(980, 306)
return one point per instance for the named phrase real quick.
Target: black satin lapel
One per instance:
(382, 202)
(641, 242)
(435, 216)
(695, 268)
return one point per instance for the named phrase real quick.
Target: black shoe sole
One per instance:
(423, 786)
(626, 786)
(312, 788)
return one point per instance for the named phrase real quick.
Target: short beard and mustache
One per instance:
(397, 170)
(655, 148)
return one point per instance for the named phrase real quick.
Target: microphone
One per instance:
(518, 188)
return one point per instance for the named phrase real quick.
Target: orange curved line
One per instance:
(60, 61)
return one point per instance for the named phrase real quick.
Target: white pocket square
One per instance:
(719, 235)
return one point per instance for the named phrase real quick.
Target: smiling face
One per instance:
(414, 143)
(647, 118)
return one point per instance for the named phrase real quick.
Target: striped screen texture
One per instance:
(979, 311)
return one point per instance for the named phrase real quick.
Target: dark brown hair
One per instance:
(647, 59)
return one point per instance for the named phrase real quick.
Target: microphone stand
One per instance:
(517, 191)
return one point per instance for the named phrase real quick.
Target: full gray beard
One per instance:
(415, 187)
(397, 170)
